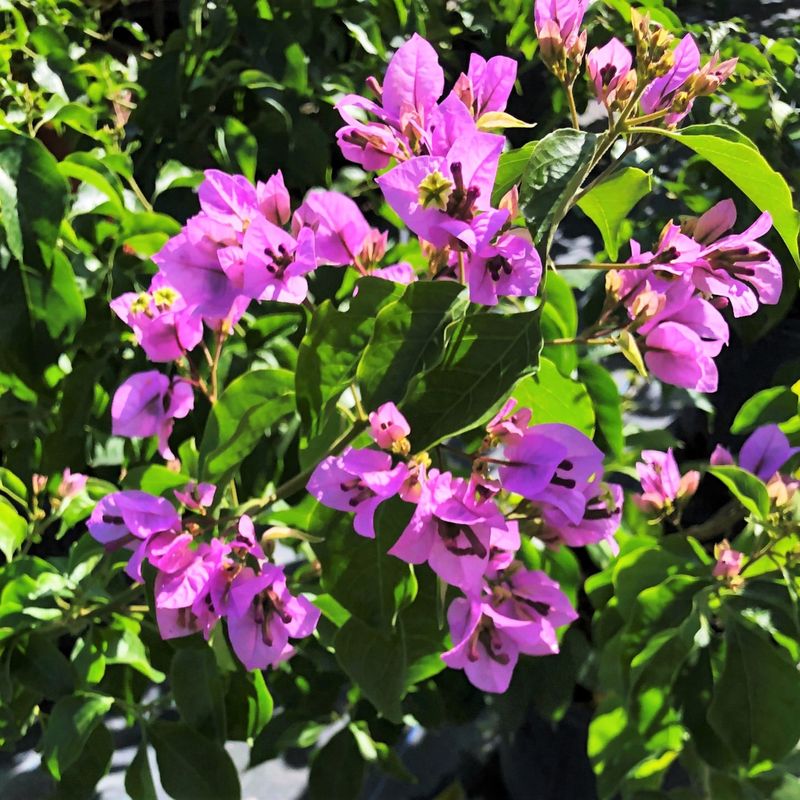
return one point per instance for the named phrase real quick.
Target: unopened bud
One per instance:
(551, 47)
(510, 202)
(624, 91)
(463, 90)
(374, 86)
(401, 447)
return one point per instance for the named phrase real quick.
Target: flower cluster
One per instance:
(445, 166)
(546, 478)
(200, 582)
(671, 296)
(663, 83)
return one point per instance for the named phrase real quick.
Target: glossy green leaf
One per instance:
(749, 490)
(139, 778)
(776, 404)
(357, 571)
(248, 705)
(554, 398)
(80, 780)
(55, 299)
(557, 167)
(337, 769)
(330, 351)
(609, 203)
(69, 726)
(509, 170)
(755, 706)
(190, 766)
(249, 406)
(33, 197)
(485, 355)
(407, 339)
(376, 662)
(736, 157)
(198, 691)
(607, 404)
(13, 530)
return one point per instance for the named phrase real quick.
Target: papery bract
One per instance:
(357, 481)
(147, 404)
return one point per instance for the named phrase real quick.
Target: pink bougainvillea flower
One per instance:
(453, 533)
(263, 616)
(509, 424)
(340, 230)
(661, 93)
(518, 613)
(357, 481)
(196, 496)
(729, 561)
(412, 86)
(676, 354)
(228, 199)
(736, 267)
(500, 263)
(766, 451)
(190, 263)
(438, 196)
(608, 66)
(388, 426)
(563, 17)
(552, 463)
(72, 483)
(487, 84)
(164, 326)
(402, 273)
(147, 404)
(120, 516)
(273, 201)
(661, 479)
(271, 264)
(601, 519)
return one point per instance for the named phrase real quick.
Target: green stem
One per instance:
(573, 111)
(579, 340)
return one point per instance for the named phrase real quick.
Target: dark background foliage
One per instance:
(171, 88)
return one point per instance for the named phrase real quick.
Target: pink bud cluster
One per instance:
(198, 582)
(672, 302)
(664, 83)
(463, 528)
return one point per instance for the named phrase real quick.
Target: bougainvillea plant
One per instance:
(446, 460)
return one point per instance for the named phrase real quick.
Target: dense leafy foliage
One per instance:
(684, 639)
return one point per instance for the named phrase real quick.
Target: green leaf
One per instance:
(249, 406)
(155, 479)
(248, 705)
(739, 160)
(41, 666)
(749, 490)
(80, 780)
(329, 354)
(554, 398)
(54, 297)
(510, 169)
(776, 404)
(13, 530)
(357, 572)
(138, 777)
(755, 707)
(485, 355)
(337, 769)
(556, 169)
(69, 726)
(33, 198)
(560, 321)
(607, 406)
(407, 339)
(197, 689)
(376, 662)
(608, 204)
(126, 647)
(190, 766)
